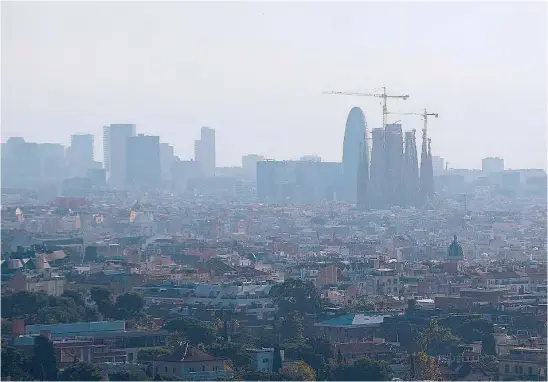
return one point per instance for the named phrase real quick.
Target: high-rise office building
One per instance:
(438, 165)
(394, 164)
(204, 151)
(114, 147)
(166, 163)
(378, 173)
(410, 171)
(80, 154)
(303, 182)
(21, 164)
(52, 159)
(354, 152)
(492, 165)
(249, 165)
(143, 169)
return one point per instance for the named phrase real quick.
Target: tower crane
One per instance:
(424, 116)
(382, 95)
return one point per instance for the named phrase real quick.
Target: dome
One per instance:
(455, 249)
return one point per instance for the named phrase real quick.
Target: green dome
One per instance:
(455, 250)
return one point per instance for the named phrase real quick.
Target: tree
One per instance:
(261, 376)
(421, 367)
(277, 360)
(15, 364)
(127, 375)
(298, 371)
(76, 296)
(103, 299)
(291, 328)
(81, 371)
(44, 361)
(364, 369)
(90, 254)
(151, 354)
(129, 305)
(195, 331)
(236, 352)
(296, 295)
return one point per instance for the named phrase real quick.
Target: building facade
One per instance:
(354, 152)
(114, 147)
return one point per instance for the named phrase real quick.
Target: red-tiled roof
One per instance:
(189, 354)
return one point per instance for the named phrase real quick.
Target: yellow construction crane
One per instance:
(382, 95)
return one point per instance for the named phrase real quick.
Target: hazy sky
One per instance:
(255, 73)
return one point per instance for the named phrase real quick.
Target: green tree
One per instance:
(195, 331)
(15, 364)
(149, 355)
(129, 305)
(291, 328)
(90, 254)
(421, 367)
(237, 353)
(261, 376)
(81, 371)
(127, 375)
(103, 299)
(75, 296)
(298, 371)
(277, 360)
(296, 295)
(44, 361)
(364, 369)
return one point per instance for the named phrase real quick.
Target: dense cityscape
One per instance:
(146, 266)
(191, 191)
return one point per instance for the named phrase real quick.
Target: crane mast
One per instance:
(382, 95)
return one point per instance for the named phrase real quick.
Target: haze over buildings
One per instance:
(471, 70)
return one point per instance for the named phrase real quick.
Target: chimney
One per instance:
(18, 327)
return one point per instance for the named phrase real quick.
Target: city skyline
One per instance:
(272, 79)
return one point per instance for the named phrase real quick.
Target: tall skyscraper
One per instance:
(394, 164)
(114, 147)
(166, 163)
(52, 159)
(438, 165)
(249, 165)
(354, 150)
(143, 170)
(21, 164)
(492, 165)
(411, 170)
(80, 154)
(377, 177)
(204, 151)
(363, 202)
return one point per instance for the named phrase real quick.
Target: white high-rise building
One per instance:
(492, 165)
(115, 139)
(438, 165)
(80, 154)
(204, 151)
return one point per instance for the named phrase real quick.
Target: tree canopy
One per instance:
(194, 330)
(296, 295)
(81, 371)
(298, 371)
(364, 369)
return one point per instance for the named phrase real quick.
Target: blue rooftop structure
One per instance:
(78, 328)
(355, 320)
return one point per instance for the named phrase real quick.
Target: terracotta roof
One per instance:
(189, 354)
